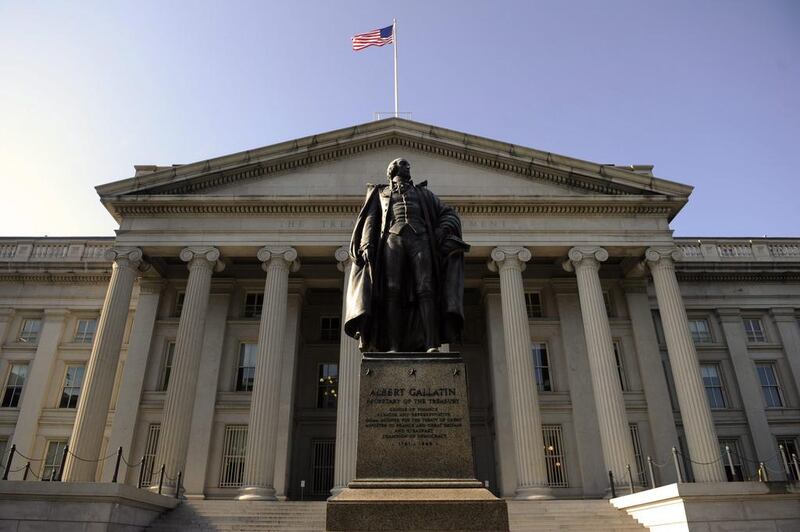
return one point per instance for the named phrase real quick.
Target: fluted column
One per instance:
(698, 425)
(90, 419)
(259, 464)
(179, 402)
(526, 420)
(615, 436)
(347, 402)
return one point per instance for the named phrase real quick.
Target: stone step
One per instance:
(524, 516)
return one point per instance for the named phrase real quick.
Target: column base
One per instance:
(533, 493)
(256, 493)
(336, 490)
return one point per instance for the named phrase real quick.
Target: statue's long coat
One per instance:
(364, 317)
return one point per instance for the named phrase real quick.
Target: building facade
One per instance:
(206, 335)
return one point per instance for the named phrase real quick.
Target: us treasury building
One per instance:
(206, 336)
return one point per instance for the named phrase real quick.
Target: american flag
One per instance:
(372, 38)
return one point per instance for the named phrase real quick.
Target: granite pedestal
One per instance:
(414, 466)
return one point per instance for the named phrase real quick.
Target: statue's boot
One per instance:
(427, 312)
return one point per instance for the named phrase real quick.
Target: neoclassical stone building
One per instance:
(206, 335)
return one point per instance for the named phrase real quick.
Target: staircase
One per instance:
(524, 516)
(228, 515)
(573, 515)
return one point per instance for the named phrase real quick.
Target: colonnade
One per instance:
(523, 401)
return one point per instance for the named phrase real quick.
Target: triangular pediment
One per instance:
(340, 162)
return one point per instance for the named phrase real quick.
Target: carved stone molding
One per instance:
(509, 257)
(279, 254)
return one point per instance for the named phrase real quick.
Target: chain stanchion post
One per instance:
(161, 478)
(762, 473)
(63, 463)
(677, 465)
(53, 475)
(611, 483)
(178, 485)
(116, 466)
(27, 470)
(652, 472)
(730, 462)
(796, 467)
(630, 478)
(8, 462)
(141, 474)
(785, 462)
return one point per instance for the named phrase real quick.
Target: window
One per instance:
(701, 332)
(3, 445)
(29, 332)
(252, 304)
(769, 385)
(72, 387)
(712, 381)
(233, 453)
(16, 380)
(329, 328)
(52, 459)
(84, 333)
(322, 462)
(180, 297)
(541, 366)
(149, 456)
(533, 304)
(554, 456)
(166, 367)
(789, 444)
(623, 380)
(754, 330)
(638, 455)
(328, 385)
(732, 444)
(246, 372)
(607, 303)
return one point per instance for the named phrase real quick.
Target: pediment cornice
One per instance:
(202, 177)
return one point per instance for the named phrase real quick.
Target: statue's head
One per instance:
(399, 167)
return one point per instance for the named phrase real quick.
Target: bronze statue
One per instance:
(407, 281)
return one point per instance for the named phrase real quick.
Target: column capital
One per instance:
(729, 314)
(783, 314)
(127, 257)
(503, 257)
(343, 257)
(662, 255)
(151, 286)
(585, 256)
(202, 256)
(55, 313)
(284, 254)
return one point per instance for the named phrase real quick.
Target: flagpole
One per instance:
(394, 41)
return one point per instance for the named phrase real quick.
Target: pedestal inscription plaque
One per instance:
(414, 466)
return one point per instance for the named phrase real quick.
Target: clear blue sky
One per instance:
(708, 91)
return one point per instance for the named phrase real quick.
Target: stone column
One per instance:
(6, 316)
(615, 436)
(194, 479)
(90, 420)
(179, 402)
(654, 382)
(749, 387)
(701, 437)
(526, 420)
(789, 332)
(34, 395)
(259, 465)
(347, 403)
(130, 388)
